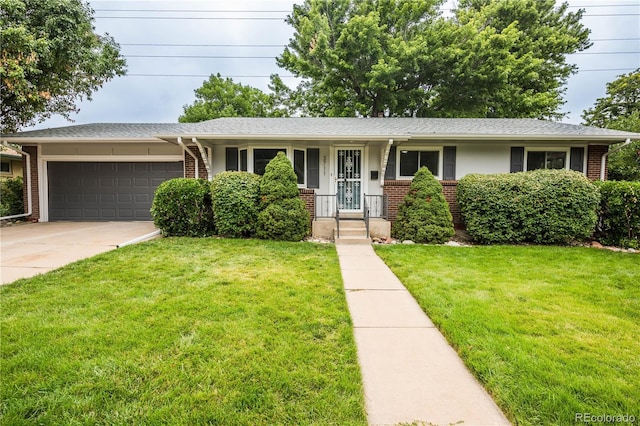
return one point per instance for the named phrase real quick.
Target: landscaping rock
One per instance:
(596, 244)
(408, 242)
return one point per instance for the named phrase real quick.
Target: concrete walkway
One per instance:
(410, 372)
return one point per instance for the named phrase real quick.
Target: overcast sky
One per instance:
(158, 84)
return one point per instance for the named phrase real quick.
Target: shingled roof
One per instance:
(307, 128)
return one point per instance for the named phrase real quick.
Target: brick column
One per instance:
(35, 198)
(309, 198)
(190, 164)
(396, 190)
(594, 158)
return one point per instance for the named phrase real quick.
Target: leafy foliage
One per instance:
(619, 222)
(51, 58)
(620, 110)
(182, 207)
(493, 59)
(235, 197)
(424, 216)
(221, 97)
(542, 206)
(11, 199)
(283, 215)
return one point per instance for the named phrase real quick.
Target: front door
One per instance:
(349, 179)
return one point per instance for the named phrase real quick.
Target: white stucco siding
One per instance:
(482, 158)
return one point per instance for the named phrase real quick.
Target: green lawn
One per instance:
(549, 331)
(183, 331)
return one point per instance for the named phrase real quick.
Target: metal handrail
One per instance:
(337, 217)
(366, 215)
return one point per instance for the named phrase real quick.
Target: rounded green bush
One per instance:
(542, 206)
(619, 222)
(182, 207)
(424, 216)
(285, 220)
(235, 197)
(279, 181)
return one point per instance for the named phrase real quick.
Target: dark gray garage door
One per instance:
(96, 191)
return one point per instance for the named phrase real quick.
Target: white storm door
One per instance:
(349, 179)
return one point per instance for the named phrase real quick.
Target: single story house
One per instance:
(109, 171)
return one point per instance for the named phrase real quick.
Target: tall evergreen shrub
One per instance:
(182, 207)
(424, 216)
(282, 215)
(235, 198)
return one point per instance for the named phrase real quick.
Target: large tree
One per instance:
(491, 59)
(222, 97)
(620, 110)
(51, 58)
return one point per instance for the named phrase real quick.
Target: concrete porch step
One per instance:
(352, 240)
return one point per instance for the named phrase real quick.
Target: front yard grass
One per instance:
(549, 331)
(183, 331)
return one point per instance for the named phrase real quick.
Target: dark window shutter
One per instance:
(231, 155)
(577, 159)
(449, 163)
(390, 171)
(313, 168)
(517, 159)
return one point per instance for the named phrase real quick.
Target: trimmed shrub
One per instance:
(286, 220)
(619, 222)
(279, 181)
(235, 197)
(11, 201)
(542, 206)
(424, 215)
(182, 207)
(282, 216)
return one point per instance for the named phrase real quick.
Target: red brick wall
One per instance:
(309, 198)
(190, 164)
(594, 158)
(396, 190)
(35, 199)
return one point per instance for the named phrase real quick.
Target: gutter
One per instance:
(603, 159)
(205, 158)
(29, 195)
(188, 151)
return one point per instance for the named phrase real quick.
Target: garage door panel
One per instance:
(105, 190)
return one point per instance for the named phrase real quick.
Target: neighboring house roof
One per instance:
(332, 128)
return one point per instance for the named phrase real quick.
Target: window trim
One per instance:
(565, 149)
(9, 168)
(288, 149)
(439, 149)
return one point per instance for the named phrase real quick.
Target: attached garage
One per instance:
(105, 191)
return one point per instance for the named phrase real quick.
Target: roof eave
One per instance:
(38, 140)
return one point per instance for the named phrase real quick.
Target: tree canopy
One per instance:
(51, 58)
(620, 110)
(403, 58)
(222, 97)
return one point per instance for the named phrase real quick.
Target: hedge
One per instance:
(11, 201)
(424, 215)
(619, 221)
(182, 207)
(542, 206)
(235, 197)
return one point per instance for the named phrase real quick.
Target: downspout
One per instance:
(205, 158)
(385, 160)
(603, 160)
(29, 195)
(188, 151)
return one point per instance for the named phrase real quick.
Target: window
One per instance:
(5, 167)
(243, 160)
(298, 165)
(261, 158)
(411, 161)
(546, 160)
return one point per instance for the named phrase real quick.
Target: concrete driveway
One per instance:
(30, 249)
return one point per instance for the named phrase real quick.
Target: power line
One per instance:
(201, 45)
(212, 18)
(199, 56)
